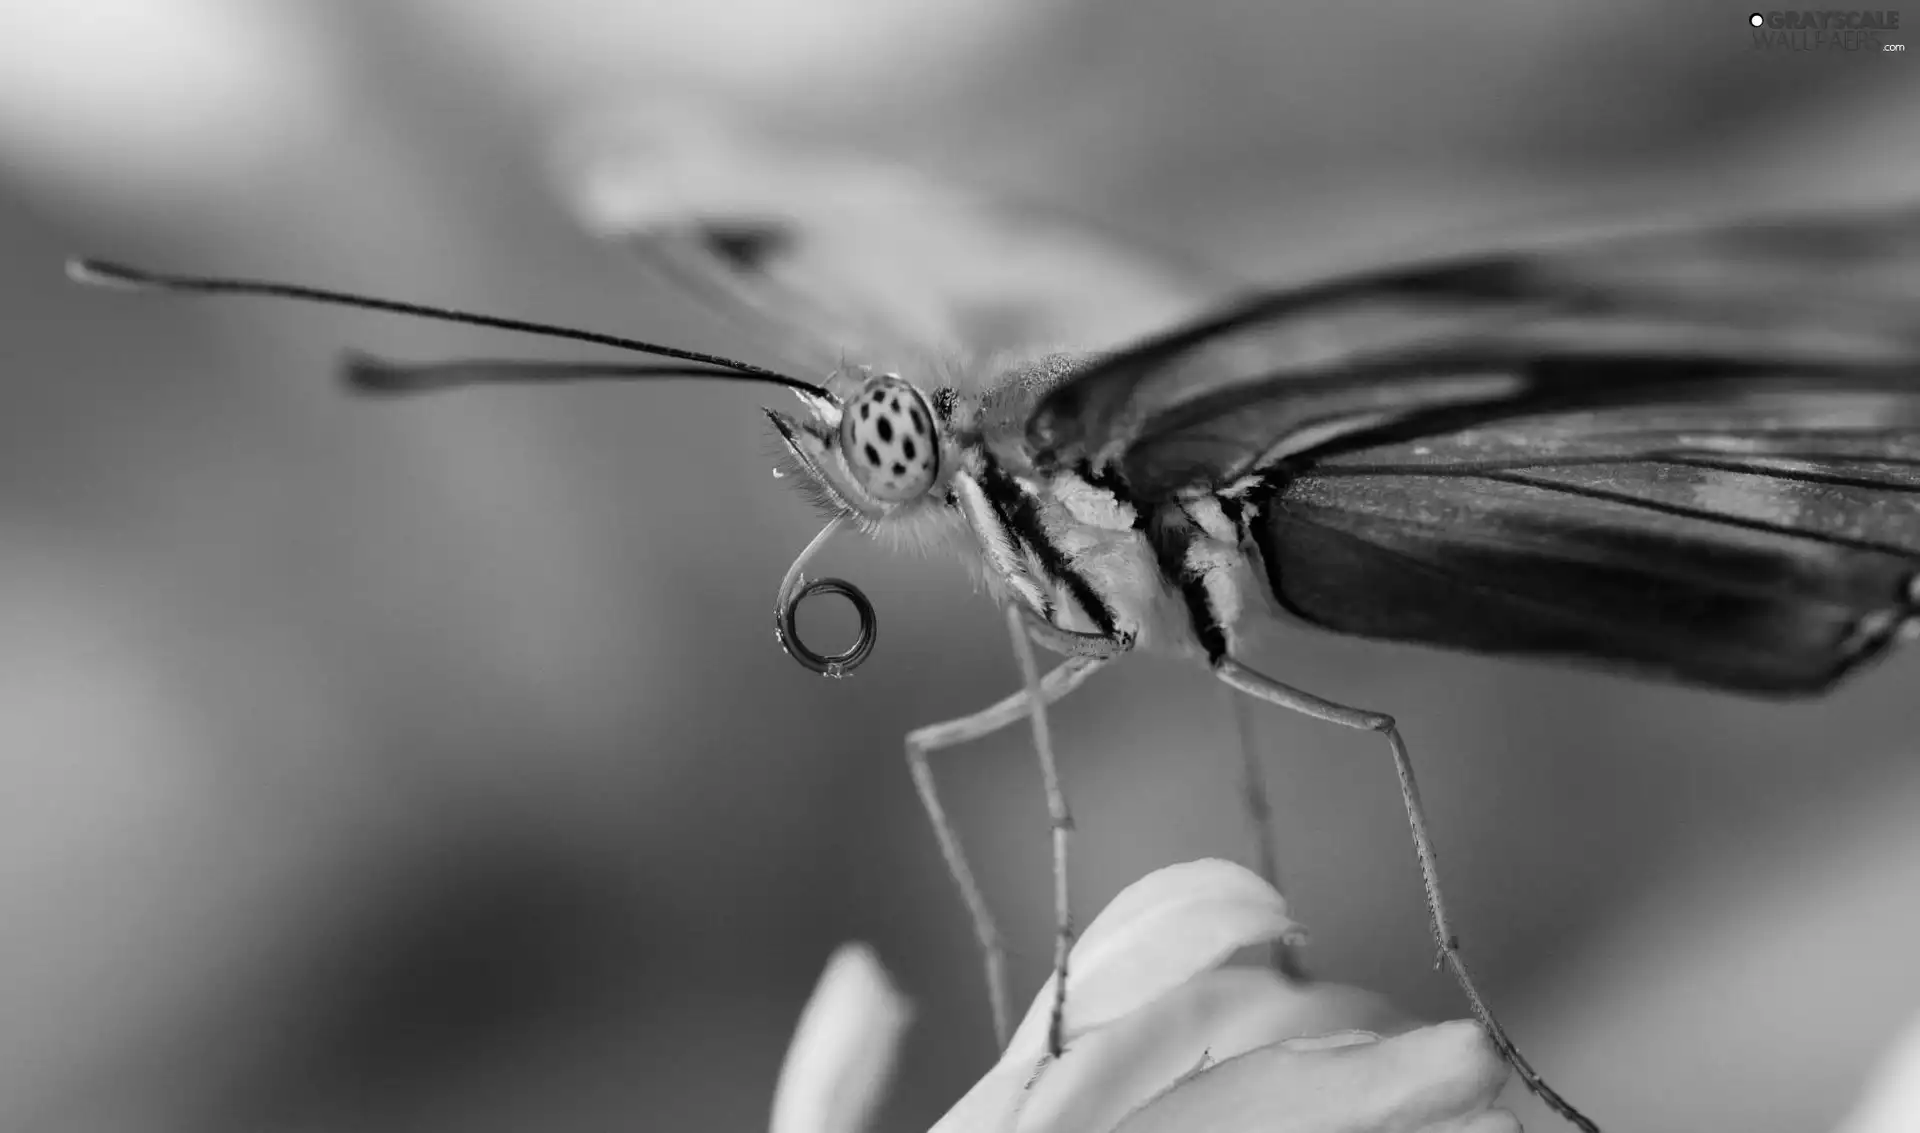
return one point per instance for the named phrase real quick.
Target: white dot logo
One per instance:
(1757, 19)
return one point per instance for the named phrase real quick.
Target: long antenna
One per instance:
(367, 373)
(100, 273)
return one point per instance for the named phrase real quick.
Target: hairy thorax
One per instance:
(1107, 576)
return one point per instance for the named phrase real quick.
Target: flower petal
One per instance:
(1438, 1078)
(1214, 1017)
(842, 1052)
(993, 1103)
(1155, 935)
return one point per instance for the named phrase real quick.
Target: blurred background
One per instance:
(430, 765)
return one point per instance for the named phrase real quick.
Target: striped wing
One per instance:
(1422, 350)
(1766, 540)
(1693, 456)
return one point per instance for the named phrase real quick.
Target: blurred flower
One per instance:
(1161, 1037)
(1892, 1103)
(122, 101)
(814, 53)
(843, 1051)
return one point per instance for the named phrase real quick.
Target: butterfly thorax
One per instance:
(1076, 549)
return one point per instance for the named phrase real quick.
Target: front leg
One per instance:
(1070, 643)
(923, 742)
(1015, 545)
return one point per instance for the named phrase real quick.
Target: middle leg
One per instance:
(1205, 567)
(1283, 955)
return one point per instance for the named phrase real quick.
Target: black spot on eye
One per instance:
(873, 456)
(886, 430)
(866, 411)
(899, 469)
(919, 422)
(906, 447)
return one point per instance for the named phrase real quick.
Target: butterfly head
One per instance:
(870, 455)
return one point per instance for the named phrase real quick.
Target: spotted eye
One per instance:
(887, 436)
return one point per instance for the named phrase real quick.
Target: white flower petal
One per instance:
(993, 1103)
(1486, 1121)
(1439, 1078)
(1155, 935)
(843, 1051)
(1214, 1017)
(1333, 1041)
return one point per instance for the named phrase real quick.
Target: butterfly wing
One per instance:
(1440, 346)
(1695, 457)
(1764, 540)
(832, 254)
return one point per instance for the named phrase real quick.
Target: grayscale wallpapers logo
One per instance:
(1827, 29)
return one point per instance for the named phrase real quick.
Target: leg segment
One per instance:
(1265, 688)
(1012, 539)
(921, 743)
(1059, 818)
(1284, 956)
(1198, 550)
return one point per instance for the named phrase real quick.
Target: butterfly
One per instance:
(1689, 453)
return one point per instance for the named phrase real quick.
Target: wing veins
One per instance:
(1678, 512)
(1541, 606)
(1487, 467)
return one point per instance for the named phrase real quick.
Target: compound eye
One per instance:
(888, 439)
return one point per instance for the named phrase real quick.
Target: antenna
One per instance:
(373, 375)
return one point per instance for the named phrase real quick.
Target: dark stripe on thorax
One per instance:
(1172, 534)
(1235, 511)
(1020, 515)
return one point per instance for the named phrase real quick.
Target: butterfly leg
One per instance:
(1254, 684)
(1059, 818)
(923, 742)
(1283, 955)
(1023, 623)
(1196, 552)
